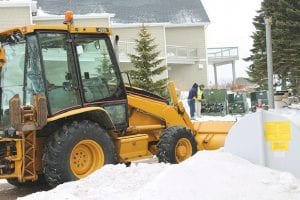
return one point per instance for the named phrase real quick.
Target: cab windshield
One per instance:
(12, 75)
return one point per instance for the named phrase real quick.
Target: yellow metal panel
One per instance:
(40, 145)
(211, 134)
(2, 56)
(210, 141)
(138, 117)
(167, 113)
(178, 105)
(75, 112)
(145, 128)
(213, 126)
(173, 93)
(17, 159)
(73, 29)
(11, 31)
(172, 117)
(132, 147)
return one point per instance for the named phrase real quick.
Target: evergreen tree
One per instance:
(285, 42)
(257, 71)
(147, 65)
(105, 68)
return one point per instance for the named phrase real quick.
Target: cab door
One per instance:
(100, 77)
(59, 70)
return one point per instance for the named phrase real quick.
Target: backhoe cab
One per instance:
(65, 111)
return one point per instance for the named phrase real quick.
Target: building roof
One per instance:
(15, 3)
(134, 11)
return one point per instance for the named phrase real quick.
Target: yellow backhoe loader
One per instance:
(65, 110)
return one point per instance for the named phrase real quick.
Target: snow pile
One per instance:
(208, 175)
(3, 189)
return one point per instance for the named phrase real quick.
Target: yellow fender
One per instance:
(96, 112)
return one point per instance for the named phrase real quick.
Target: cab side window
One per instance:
(96, 68)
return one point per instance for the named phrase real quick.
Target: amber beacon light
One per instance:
(69, 17)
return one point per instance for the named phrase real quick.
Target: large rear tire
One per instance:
(176, 145)
(75, 151)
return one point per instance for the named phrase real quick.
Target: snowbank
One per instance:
(209, 175)
(3, 181)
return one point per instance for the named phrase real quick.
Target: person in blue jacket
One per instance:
(191, 100)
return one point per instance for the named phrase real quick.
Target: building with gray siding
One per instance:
(177, 26)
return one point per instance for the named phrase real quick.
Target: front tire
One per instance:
(75, 151)
(176, 145)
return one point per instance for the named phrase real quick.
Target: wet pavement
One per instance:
(10, 192)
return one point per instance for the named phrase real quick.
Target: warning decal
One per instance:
(278, 133)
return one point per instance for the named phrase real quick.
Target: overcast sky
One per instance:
(230, 25)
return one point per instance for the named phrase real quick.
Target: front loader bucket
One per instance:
(211, 135)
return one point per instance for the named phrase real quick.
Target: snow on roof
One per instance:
(51, 17)
(208, 175)
(42, 14)
(134, 11)
(15, 3)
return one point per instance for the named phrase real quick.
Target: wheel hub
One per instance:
(183, 149)
(81, 158)
(86, 157)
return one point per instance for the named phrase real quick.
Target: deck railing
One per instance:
(222, 53)
(175, 54)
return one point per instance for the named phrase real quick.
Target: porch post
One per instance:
(216, 75)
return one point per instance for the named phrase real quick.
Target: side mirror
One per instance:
(2, 57)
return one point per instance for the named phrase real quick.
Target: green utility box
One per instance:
(259, 99)
(237, 103)
(214, 102)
